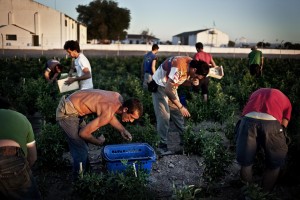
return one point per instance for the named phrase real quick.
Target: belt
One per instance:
(10, 151)
(262, 116)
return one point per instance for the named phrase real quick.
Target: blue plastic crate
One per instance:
(141, 154)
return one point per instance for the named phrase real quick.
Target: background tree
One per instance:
(263, 44)
(231, 43)
(104, 20)
(147, 35)
(287, 45)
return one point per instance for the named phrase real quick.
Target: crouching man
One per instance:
(105, 105)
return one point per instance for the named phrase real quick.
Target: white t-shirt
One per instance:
(160, 76)
(80, 63)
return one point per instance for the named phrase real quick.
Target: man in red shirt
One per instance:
(206, 57)
(264, 122)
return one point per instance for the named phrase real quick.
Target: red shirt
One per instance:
(201, 55)
(270, 101)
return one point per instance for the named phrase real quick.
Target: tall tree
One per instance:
(147, 35)
(104, 19)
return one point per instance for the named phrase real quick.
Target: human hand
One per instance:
(69, 81)
(101, 139)
(126, 135)
(184, 111)
(195, 81)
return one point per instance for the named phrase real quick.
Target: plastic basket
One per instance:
(142, 155)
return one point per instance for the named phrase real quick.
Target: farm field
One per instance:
(172, 176)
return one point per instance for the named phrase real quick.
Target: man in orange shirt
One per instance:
(174, 71)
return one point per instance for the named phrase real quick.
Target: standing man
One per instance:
(265, 119)
(82, 66)
(256, 61)
(149, 66)
(105, 105)
(52, 70)
(174, 71)
(206, 57)
(17, 155)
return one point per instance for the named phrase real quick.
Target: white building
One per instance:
(208, 37)
(26, 23)
(140, 39)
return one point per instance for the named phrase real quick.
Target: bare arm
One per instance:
(153, 67)
(87, 74)
(31, 153)
(117, 125)
(170, 90)
(262, 61)
(191, 82)
(47, 75)
(285, 122)
(54, 78)
(86, 133)
(105, 118)
(212, 62)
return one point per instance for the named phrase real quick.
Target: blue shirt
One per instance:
(148, 59)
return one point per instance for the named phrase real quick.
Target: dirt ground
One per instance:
(169, 172)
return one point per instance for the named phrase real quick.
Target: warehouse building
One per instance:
(26, 23)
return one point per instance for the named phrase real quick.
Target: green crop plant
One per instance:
(186, 192)
(120, 185)
(51, 144)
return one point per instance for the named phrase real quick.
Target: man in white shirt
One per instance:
(82, 66)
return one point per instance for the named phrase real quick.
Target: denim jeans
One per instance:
(16, 179)
(78, 147)
(147, 79)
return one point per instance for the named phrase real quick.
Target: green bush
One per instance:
(124, 186)
(51, 144)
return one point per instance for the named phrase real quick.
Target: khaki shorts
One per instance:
(65, 109)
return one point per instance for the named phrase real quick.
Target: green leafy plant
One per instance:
(51, 144)
(114, 185)
(216, 157)
(187, 192)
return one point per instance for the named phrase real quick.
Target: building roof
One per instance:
(139, 36)
(3, 26)
(190, 32)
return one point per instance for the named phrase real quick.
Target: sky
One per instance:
(272, 21)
